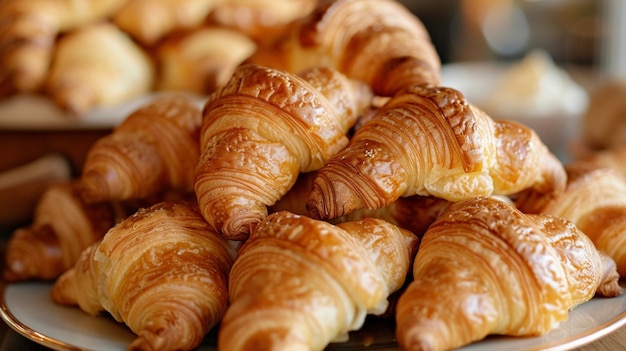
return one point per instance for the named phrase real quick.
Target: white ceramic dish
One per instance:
(28, 309)
(36, 112)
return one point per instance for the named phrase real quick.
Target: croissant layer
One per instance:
(483, 267)
(162, 272)
(431, 141)
(260, 131)
(311, 282)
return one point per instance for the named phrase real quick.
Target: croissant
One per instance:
(413, 213)
(261, 130)
(98, 65)
(379, 42)
(152, 152)
(149, 21)
(261, 20)
(483, 268)
(595, 200)
(202, 60)
(614, 158)
(63, 226)
(299, 284)
(29, 30)
(432, 142)
(161, 271)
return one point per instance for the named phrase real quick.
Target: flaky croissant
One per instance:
(595, 200)
(98, 65)
(63, 226)
(261, 130)
(201, 60)
(149, 21)
(431, 141)
(28, 34)
(483, 268)
(377, 41)
(413, 213)
(152, 152)
(299, 284)
(161, 271)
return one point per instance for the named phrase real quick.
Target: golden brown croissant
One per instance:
(377, 41)
(29, 30)
(149, 21)
(431, 141)
(413, 213)
(63, 226)
(98, 65)
(261, 130)
(202, 60)
(161, 271)
(299, 284)
(595, 200)
(483, 268)
(152, 152)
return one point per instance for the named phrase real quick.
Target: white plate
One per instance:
(38, 112)
(28, 309)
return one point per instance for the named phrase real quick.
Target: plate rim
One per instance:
(569, 343)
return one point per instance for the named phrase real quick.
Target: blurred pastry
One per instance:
(149, 21)
(261, 20)
(201, 60)
(98, 65)
(604, 122)
(28, 33)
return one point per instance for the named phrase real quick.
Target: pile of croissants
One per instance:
(330, 178)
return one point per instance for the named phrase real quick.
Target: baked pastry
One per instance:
(261, 20)
(261, 130)
(595, 200)
(483, 268)
(161, 271)
(201, 60)
(63, 226)
(299, 284)
(430, 141)
(379, 42)
(602, 124)
(413, 213)
(149, 21)
(28, 34)
(613, 158)
(98, 65)
(152, 152)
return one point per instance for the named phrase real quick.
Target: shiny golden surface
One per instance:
(162, 272)
(485, 268)
(431, 141)
(260, 131)
(311, 282)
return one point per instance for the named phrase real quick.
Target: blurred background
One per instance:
(547, 58)
(586, 33)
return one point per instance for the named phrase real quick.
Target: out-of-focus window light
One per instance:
(506, 29)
